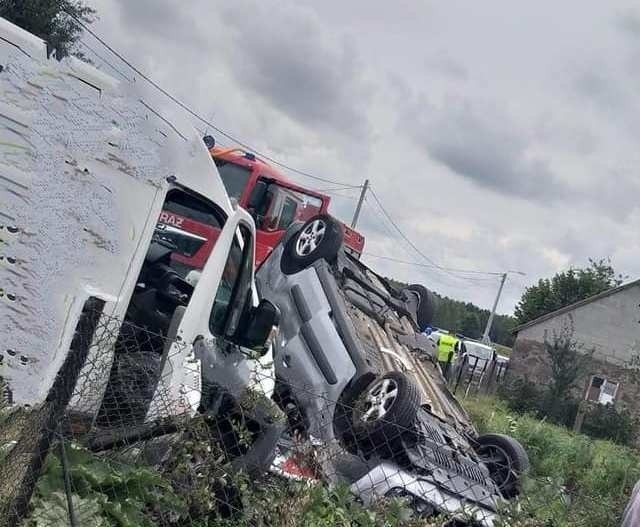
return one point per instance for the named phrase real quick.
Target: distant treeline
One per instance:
(469, 319)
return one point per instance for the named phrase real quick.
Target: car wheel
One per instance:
(320, 237)
(506, 459)
(426, 305)
(385, 409)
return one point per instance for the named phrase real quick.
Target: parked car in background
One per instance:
(479, 355)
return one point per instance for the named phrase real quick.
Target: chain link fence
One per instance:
(125, 439)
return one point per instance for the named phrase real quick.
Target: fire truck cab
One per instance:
(273, 201)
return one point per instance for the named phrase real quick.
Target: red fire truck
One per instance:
(272, 200)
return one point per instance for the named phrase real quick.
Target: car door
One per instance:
(201, 327)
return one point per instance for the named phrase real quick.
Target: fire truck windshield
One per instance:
(234, 177)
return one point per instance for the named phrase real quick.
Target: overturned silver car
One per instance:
(347, 379)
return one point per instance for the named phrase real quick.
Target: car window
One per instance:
(230, 282)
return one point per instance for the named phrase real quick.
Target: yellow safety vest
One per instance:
(446, 346)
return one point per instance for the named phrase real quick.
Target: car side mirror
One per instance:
(261, 327)
(257, 194)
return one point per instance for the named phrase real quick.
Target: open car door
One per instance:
(203, 331)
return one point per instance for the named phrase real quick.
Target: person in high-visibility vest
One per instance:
(446, 350)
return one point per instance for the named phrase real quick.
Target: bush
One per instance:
(196, 489)
(525, 396)
(601, 421)
(609, 422)
(574, 480)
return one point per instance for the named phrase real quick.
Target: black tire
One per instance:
(426, 305)
(386, 430)
(506, 459)
(309, 244)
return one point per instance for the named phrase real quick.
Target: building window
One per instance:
(601, 390)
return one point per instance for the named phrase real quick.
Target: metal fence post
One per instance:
(67, 481)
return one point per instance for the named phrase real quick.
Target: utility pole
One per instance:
(487, 329)
(356, 214)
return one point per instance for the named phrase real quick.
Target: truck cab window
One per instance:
(235, 177)
(188, 226)
(288, 213)
(283, 205)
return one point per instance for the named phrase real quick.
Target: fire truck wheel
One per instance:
(320, 237)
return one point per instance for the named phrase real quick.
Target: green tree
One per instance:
(470, 325)
(565, 288)
(48, 19)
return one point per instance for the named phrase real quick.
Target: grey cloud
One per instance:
(628, 22)
(299, 67)
(160, 19)
(481, 143)
(596, 85)
(448, 67)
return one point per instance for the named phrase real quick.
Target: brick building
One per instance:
(607, 324)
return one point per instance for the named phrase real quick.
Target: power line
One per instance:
(342, 196)
(197, 116)
(450, 270)
(424, 265)
(333, 189)
(105, 61)
(343, 186)
(442, 279)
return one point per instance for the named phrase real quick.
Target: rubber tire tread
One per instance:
(426, 307)
(400, 416)
(517, 454)
(328, 249)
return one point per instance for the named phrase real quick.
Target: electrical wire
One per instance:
(200, 118)
(343, 186)
(424, 265)
(450, 270)
(442, 279)
(333, 189)
(105, 61)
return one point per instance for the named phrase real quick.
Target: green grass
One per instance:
(502, 350)
(574, 480)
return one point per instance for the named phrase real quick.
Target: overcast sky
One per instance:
(499, 135)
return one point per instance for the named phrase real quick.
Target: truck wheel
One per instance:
(319, 237)
(426, 305)
(506, 459)
(385, 409)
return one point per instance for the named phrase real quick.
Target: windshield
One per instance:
(282, 206)
(234, 177)
(189, 227)
(478, 350)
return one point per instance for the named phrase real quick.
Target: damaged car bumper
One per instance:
(425, 497)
